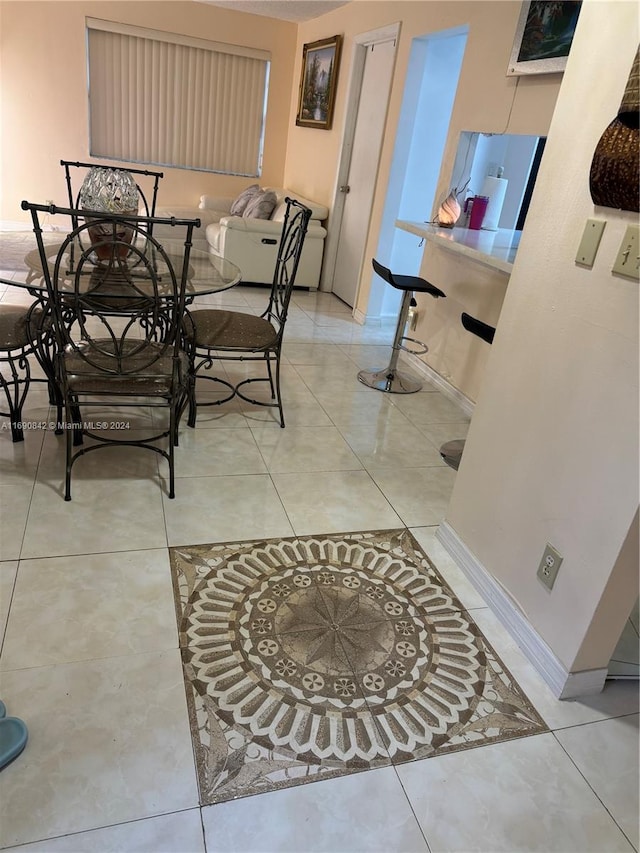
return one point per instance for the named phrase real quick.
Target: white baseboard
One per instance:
(418, 366)
(564, 684)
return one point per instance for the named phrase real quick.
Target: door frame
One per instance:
(362, 41)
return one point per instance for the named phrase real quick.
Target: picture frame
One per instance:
(318, 81)
(543, 37)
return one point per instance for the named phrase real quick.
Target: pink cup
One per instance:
(478, 211)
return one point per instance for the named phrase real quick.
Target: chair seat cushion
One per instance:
(216, 329)
(146, 372)
(413, 282)
(13, 326)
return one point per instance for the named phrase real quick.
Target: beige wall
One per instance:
(44, 111)
(487, 100)
(552, 453)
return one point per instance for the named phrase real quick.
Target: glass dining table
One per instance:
(20, 264)
(21, 267)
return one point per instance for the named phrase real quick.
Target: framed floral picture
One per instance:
(318, 80)
(543, 36)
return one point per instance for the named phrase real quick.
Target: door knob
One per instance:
(345, 188)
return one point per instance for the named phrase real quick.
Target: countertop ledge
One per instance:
(495, 249)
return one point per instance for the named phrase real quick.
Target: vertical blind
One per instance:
(170, 100)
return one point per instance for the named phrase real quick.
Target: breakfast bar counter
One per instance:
(494, 249)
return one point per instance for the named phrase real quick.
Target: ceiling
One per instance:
(284, 10)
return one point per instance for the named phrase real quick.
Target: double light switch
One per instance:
(627, 260)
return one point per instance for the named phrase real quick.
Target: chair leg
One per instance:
(193, 413)
(57, 402)
(17, 433)
(191, 400)
(12, 389)
(389, 378)
(181, 405)
(55, 399)
(272, 377)
(193, 405)
(270, 374)
(277, 389)
(172, 444)
(207, 362)
(69, 441)
(75, 424)
(44, 349)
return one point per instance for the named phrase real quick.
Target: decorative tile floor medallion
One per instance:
(317, 656)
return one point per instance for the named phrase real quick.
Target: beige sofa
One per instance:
(252, 244)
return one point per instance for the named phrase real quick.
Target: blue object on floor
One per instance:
(13, 739)
(3, 710)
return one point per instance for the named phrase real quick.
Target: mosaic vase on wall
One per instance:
(614, 178)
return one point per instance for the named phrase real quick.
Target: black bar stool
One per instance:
(451, 452)
(389, 378)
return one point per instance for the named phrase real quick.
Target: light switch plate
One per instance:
(627, 260)
(588, 248)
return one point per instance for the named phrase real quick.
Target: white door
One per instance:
(363, 166)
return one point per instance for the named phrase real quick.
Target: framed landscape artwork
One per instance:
(543, 36)
(320, 64)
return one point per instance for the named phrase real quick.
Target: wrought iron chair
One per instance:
(214, 335)
(117, 318)
(17, 324)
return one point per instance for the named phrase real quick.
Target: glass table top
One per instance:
(80, 269)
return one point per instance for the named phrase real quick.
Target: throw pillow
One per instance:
(240, 203)
(261, 205)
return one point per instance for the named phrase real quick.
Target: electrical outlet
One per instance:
(627, 261)
(549, 565)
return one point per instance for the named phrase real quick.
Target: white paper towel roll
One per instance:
(495, 189)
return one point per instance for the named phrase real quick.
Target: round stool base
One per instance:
(390, 381)
(451, 452)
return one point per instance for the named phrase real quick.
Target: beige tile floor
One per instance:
(90, 654)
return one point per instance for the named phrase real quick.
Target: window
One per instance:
(480, 154)
(171, 100)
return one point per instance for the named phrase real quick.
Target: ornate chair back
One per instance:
(117, 299)
(147, 198)
(294, 229)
